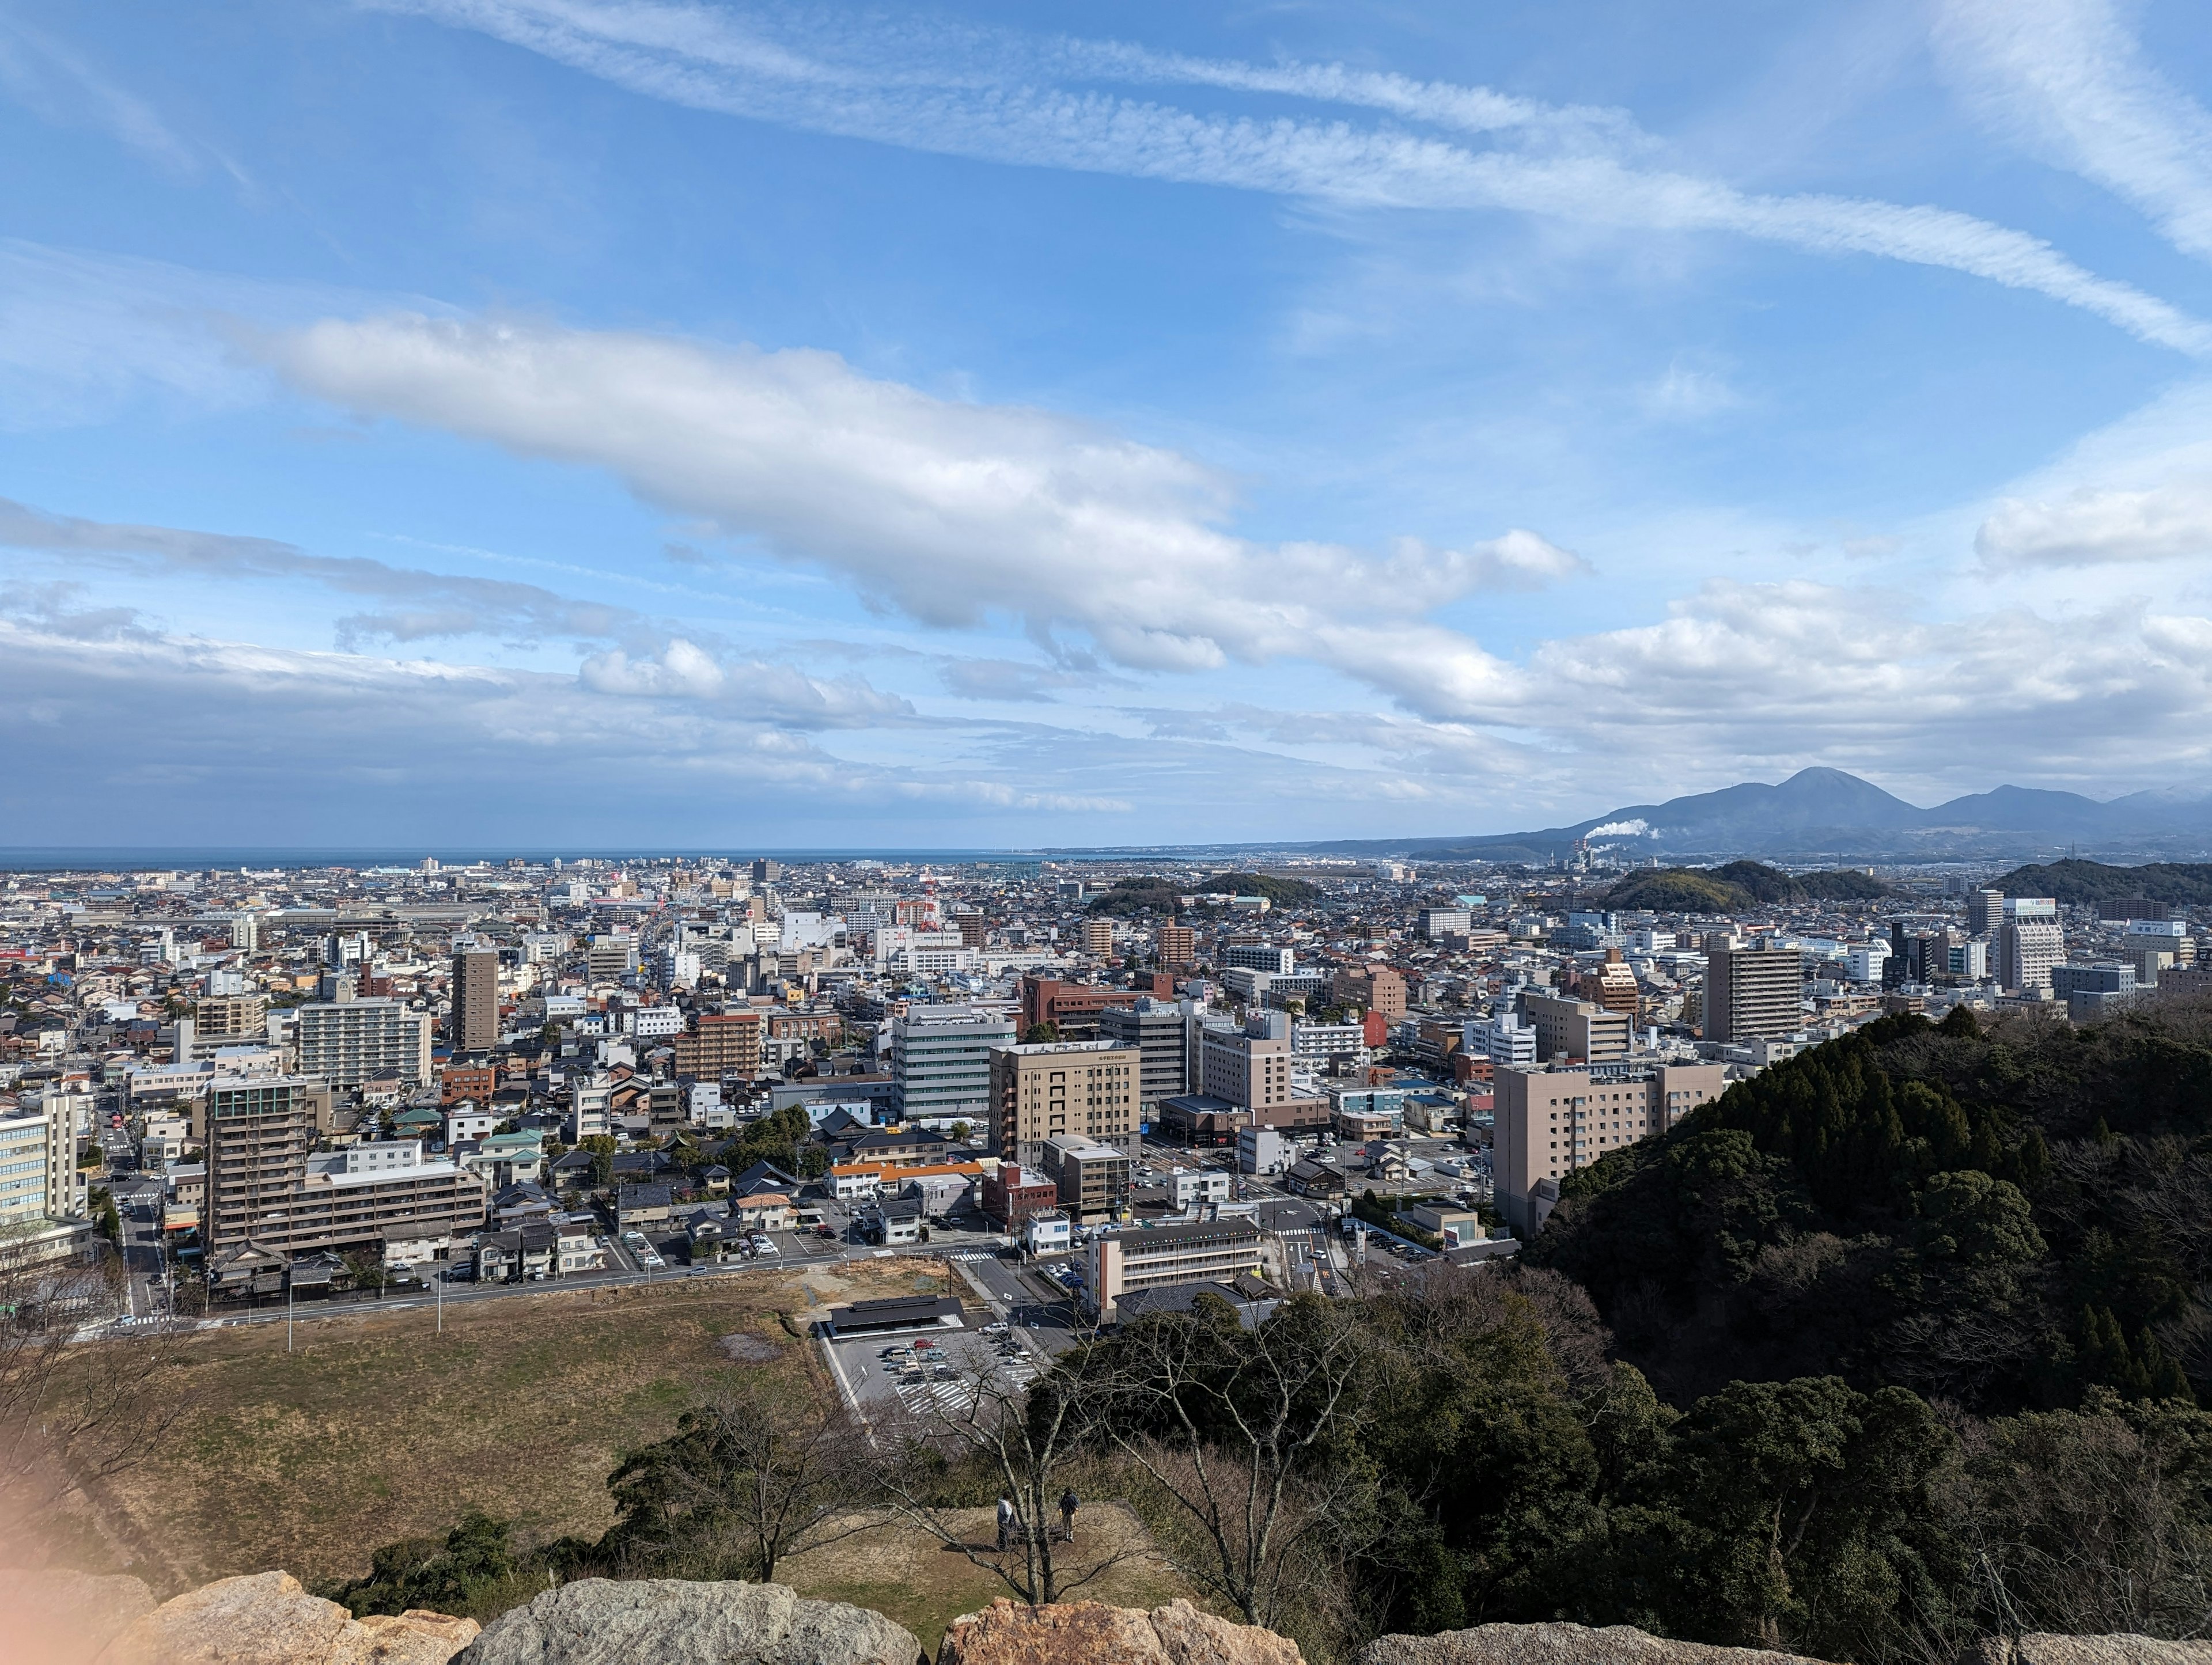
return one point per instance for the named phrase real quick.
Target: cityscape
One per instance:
(1170, 835)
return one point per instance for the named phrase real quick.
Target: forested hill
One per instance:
(1735, 887)
(2003, 1219)
(2079, 884)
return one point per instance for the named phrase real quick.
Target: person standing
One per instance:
(1068, 1514)
(1005, 1520)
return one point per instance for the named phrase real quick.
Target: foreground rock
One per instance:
(267, 1619)
(2039, 1648)
(1092, 1633)
(667, 1621)
(61, 1618)
(1579, 1644)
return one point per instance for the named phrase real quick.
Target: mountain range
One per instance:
(1824, 814)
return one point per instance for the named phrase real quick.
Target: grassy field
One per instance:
(376, 1428)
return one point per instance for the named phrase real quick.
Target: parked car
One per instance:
(761, 1243)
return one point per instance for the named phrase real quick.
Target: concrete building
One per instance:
(1250, 1066)
(1175, 945)
(266, 1186)
(941, 1061)
(1098, 938)
(1753, 994)
(1073, 1009)
(347, 1041)
(1612, 986)
(1985, 912)
(1155, 1028)
(724, 1044)
(1093, 1178)
(1124, 1262)
(2094, 990)
(1438, 923)
(1260, 957)
(1507, 1041)
(1552, 1122)
(38, 1163)
(1262, 1151)
(1375, 988)
(1568, 1028)
(224, 1020)
(2027, 949)
(1060, 1090)
(474, 1026)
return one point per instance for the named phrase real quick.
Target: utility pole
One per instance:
(441, 1299)
(288, 1308)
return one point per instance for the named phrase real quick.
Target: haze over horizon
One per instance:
(530, 422)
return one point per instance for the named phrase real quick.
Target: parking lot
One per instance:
(919, 1372)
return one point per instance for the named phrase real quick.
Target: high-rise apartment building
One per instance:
(1552, 1122)
(1753, 994)
(1175, 945)
(1098, 938)
(725, 1043)
(1260, 957)
(266, 1186)
(1612, 986)
(345, 1043)
(1065, 1091)
(475, 1024)
(2027, 950)
(941, 1060)
(1155, 1028)
(767, 871)
(1985, 912)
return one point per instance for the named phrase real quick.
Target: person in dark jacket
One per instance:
(1068, 1514)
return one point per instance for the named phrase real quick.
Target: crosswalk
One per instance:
(970, 1254)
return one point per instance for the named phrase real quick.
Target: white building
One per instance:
(941, 1060)
(1507, 1040)
(345, 1043)
(1864, 962)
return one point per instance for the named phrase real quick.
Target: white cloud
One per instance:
(2100, 527)
(2070, 80)
(950, 511)
(60, 85)
(969, 95)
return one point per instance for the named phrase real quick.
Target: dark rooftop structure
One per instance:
(898, 1312)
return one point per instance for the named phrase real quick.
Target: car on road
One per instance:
(994, 1329)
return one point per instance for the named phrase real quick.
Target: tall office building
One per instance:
(941, 1060)
(1568, 1028)
(345, 1043)
(1261, 957)
(1250, 1067)
(1063, 1090)
(1985, 912)
(767, 871)
(1155, 1028)
(475, 1024)
(1753, 994)
(38, 1163)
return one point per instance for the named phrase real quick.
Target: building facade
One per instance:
(1155, 1028)
(941, 1061)
(1552, 1122)
(1753, 994)
(1568, 1028)
(1063, 1090)
(1122, 1263)
(346, 1042)
(475, 990)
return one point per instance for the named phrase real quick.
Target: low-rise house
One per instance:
(643, 1205)
(577, 1244)
(892, 1221)
(526, 1253)
(764, 1211)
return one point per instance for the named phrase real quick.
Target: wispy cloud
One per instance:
(949, 512)
(2070, 79)
(992, 101)
(61, 85)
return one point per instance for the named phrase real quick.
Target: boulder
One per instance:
(2040, 1648)
(670, 1621)
(55, 1617)
(1562, 1645)
(267, 1619)
(1092, 1633)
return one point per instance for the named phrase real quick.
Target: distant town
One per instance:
(1133, 1083)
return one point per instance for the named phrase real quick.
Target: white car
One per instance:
(761, 1243)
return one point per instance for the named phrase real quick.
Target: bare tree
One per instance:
(1231, 1424)
(767, 1469)
(1028, 1441)
(78, 1404)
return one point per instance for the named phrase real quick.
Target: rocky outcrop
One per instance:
(2039, 1648)
(60, 1617)
(667, 1621)
(1574, 1644)
(267, 1619)
(1092, 1633)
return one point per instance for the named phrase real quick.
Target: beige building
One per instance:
(1175, 945)
(2027, 950)
(1552, 1122)
(1252, 1071)
(1753, 994)
(1065, 1091)
(266, 1186)
(1374, 988)
(1168, 1255)
(1098, 938)
(1568, 1028)
(346, 1042)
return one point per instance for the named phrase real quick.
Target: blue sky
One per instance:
(539, 421)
